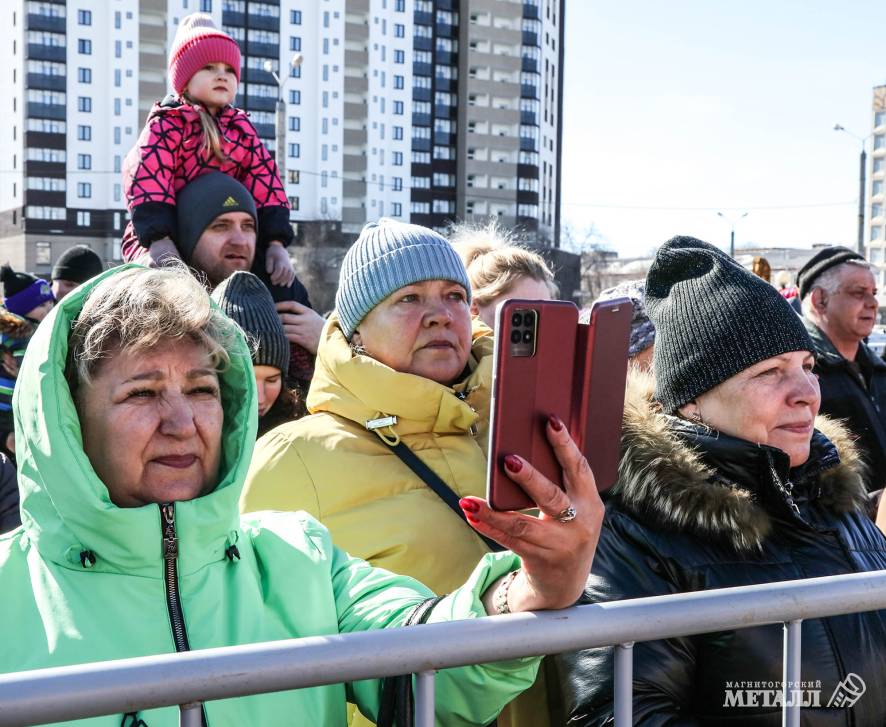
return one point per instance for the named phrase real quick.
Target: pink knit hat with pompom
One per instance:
(197, 43)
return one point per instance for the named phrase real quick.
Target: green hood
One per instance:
(66, 508)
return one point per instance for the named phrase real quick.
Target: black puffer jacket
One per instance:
(695, 511)
(845, 395)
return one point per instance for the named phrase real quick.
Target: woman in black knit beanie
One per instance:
(727, 478)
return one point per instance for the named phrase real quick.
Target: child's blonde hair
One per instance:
(495, 261)
(211, 134)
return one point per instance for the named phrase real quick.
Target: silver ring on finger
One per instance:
(566, 515)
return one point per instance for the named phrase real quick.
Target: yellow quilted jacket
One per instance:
(330, 465)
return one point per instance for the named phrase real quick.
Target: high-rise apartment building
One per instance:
(425, 110)
(877, 197)
(67, 93)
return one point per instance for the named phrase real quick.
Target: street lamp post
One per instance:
(862, 182)
(732, 231)
(280, 121)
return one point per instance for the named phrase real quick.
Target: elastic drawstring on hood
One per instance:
(87, 558)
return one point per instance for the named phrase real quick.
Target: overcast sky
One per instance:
(674, 111)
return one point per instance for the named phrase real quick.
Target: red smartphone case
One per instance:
(576, 372)
(525, 391)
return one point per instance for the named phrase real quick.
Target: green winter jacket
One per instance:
(83, 580)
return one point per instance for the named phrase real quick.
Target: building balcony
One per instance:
(527, 171)
(46, 111)
(445, 30)
(422, 69)
(526, 197)
(421, 18)
(43, 198)
(420, 42)
(528, 91)
(445, 58)
(233, 18)
(263, 22)
(446, 84)
(260, 103)
(36, 21)
(528, 144)
(421, 119)
(421, 94)
(421, 144)
(266, 131)
(531, 39)
(40, 52)
(529, 118)
(257, 75)
(265, 50)
(441, 138)
(43, 140)
(46, 82)
(530, 65)
(528, 224)
(445, 112)
(531, 11)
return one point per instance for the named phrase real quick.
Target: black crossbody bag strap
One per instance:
(397, 706)
(440, 488)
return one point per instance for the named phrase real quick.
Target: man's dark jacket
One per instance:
(694, 510)
(845, 395)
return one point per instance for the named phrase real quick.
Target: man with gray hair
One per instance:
(839, 295)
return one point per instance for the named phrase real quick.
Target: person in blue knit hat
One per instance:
(400, 362)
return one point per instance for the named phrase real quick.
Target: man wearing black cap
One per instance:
(217, 230)
(839, 295)
(74, 266)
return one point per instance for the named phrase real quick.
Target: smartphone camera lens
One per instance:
(527, 337)
(517, 319)
(516, 336)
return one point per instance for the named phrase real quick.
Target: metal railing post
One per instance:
(191, 715)
(424, 698)
(793, 694)
(624, 685)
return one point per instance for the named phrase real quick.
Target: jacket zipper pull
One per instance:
(170, 541)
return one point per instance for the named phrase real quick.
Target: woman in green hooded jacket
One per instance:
(136, 416)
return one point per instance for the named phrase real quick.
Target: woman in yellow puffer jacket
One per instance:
(398, 361)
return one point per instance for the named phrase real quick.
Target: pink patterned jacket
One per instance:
(169, 154)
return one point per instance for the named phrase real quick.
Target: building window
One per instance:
(292, 176)
(205, 6)
(84, 46)
(84, 17)
(83, 218)
(293, 203)
(118, 77)
(397, 159)
(878, 165)
(396, 209)
(420, 208)
(295, 17)
(876, 234)
(877, 187)
(84, 161)
(295, 97)
(116, 107)
(397, 184)
(399, 82)
(398, 108)
(117, 135)
(295, 123)
(118, 21)
(398, 133)
(84, 104)
(118, 194)
(880, 118)
(84, 133)
(400, 6)
(294, 151)
(84, 190)
(294, 43)
(399, 30)
(399, 56)
(295, 71)
(880, 141)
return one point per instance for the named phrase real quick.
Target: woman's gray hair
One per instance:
(138, 309)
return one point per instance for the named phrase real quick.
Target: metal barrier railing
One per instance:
(188, 679)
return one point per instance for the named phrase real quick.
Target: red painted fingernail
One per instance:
(555, 423)
(513, 464)
(471, 518)
(469, 505)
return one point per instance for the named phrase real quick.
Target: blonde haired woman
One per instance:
(499, 269)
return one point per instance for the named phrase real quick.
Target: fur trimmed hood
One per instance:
(666, 481)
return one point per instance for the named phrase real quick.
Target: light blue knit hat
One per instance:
(388, 255)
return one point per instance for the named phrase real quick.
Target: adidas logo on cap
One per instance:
(230, 202)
